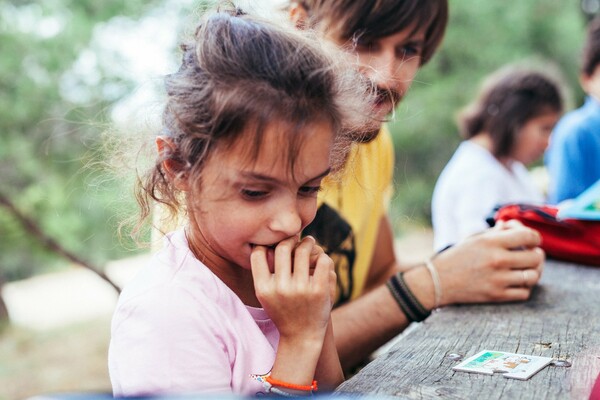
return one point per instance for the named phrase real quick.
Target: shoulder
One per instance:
(173, 285)
(370, 165)
(382, 145)
(384, 139)
(469, 162)
(579, 122)
(379, 152)
(471, 169)
(166, 305)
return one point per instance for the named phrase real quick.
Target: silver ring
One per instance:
(524, 272)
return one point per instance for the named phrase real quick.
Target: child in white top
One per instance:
(506, 128)
(236, 301)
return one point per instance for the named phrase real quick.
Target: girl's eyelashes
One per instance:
(309, 190)
(250, 194)
(306, 191)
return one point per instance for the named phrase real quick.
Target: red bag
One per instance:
(564, 239)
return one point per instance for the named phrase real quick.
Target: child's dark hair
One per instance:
(508, 99)
(240, 74)
(374, 19)
(591, 49)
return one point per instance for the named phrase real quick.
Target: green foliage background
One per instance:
(46, 140)
(51, 147)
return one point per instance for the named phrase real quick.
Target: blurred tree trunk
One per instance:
(3, 309)
(49, 243)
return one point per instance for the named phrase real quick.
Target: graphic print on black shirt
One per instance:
(334, 234)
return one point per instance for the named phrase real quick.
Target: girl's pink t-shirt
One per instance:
(178, 329)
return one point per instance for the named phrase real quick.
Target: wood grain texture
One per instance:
(561, 320)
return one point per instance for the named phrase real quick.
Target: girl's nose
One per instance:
(287, 221)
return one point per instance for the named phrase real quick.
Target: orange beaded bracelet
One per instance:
(306, 388)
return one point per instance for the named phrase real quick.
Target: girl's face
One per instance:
(533, 137)
(242, 203)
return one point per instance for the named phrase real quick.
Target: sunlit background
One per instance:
(76, 74)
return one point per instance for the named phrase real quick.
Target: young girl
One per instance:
(506, 128)
(236, 302)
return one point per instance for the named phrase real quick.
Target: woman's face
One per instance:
(242, 203)
(533, 137)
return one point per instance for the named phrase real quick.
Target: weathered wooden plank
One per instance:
(561, 320)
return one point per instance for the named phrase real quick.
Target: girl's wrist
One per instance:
(297, 344)
(304, 337)
(297, 359)
(286, 389)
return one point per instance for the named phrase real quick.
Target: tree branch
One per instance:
(32, 227)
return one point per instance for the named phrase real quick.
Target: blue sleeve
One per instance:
(566, 162)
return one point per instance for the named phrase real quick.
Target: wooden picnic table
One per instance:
(561, 320)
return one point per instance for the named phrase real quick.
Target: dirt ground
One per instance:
(60, 326)
(58, 338)
(70, 359)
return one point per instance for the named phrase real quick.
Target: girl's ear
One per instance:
(298, 15)
(172, 167)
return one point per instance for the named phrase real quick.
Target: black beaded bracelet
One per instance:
(406, 300)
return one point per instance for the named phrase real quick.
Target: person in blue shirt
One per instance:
(573, 156)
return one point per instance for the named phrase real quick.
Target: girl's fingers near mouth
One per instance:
(258, 254)
(259, 262)
(302, 257)
(283, 258)
(270, 252)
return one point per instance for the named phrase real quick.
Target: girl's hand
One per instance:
(299, 294)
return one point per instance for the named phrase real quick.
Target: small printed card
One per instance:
(511, 365)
